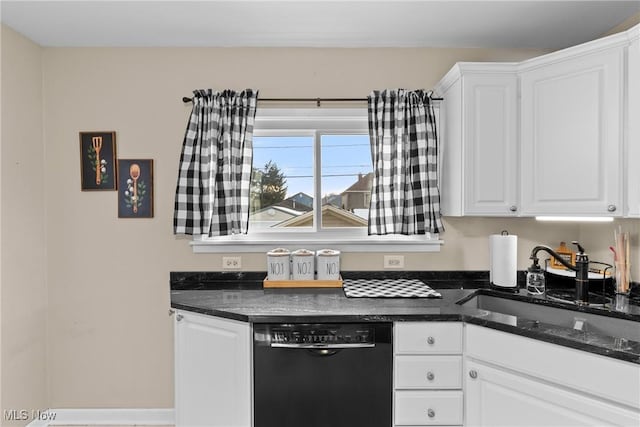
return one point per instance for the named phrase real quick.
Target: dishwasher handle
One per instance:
(322, 346)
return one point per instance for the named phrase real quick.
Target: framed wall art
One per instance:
(98, 161)
(135, 188)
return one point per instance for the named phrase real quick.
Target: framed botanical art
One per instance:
(98, 161)
(135, 188)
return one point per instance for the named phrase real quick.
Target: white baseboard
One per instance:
(146, 417)
(39, 423)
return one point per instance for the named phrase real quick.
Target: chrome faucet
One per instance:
(581, 268)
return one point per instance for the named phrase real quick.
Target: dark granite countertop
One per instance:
(244, 299)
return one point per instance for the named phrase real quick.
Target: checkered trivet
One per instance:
(388, 288)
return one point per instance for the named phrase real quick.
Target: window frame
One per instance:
(314, 122)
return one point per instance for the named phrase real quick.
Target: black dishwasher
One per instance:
(322, 375)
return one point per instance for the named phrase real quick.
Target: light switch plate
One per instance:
(231, 262)
(393, 261)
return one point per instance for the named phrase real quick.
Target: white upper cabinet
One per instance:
(553, 135)
(571, 133)
(633, 125)
(480, 148)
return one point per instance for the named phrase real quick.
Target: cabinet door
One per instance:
(587, 373)
(496, 397)
(570, 134)
(490, 144)
(633, 129)
(212, 371)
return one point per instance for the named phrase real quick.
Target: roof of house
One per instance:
(284, 209)
(363, 184)
(349, 219)
(289, 203)
(300, 193)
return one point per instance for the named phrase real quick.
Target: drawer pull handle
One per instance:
(431, 340)
(473, 374)
(430, 376)
(179, 317)
(431, 413)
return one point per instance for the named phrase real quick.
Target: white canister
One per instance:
(278, 265)
(303, 264)
(328, 264)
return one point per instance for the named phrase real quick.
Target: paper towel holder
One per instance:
(512, 288)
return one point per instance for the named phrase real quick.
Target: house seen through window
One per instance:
(297, 174)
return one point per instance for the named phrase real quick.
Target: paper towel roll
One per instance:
(503, 259)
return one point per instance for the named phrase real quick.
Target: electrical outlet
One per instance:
(231, 262)
(393, 261)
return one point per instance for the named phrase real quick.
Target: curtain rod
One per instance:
(316, 100)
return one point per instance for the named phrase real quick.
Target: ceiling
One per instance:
(501, 24)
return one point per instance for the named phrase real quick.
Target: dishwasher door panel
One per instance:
(296, 387)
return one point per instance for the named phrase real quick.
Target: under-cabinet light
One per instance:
(575, 218)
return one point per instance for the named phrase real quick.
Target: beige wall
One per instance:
(624, 25)
(598, 237)
(23, 291)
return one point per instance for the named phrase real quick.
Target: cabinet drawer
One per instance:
(424, 408)
(428, 372)
(428, 338)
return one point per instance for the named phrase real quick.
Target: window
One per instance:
(285, 193)
(311, 185)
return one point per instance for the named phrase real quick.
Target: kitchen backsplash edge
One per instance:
(439, 279)
(253, 279)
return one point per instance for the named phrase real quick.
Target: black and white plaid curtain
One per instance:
(404, 149)
(212, 194)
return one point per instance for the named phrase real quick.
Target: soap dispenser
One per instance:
(535, 284)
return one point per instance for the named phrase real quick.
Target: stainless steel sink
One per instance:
(565, 318)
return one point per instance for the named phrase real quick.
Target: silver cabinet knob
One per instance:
(171, 312)
(611, 208)
(513, 208)
(431, 413)
(431, 340)
(179, 317)
(473, 374)
(430, 376)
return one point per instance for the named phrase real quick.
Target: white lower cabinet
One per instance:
(511, 380)
(428, 408)
(427, 374)
(212, 371)
(497, 397)
(439, 372)
(507, 380)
